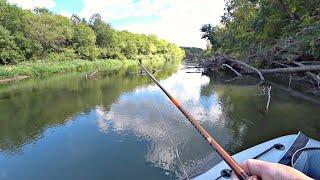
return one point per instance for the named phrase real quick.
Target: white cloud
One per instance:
(66, 14)
(148, 114)
(179, 21)
(31, 4)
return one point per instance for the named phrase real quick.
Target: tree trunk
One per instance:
(291, 69)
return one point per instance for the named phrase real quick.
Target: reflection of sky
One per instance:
(136, 112)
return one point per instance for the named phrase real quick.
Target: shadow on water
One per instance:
(121, 126)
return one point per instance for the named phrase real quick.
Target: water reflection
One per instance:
(147, 113)
(120, 126)
(28, 108)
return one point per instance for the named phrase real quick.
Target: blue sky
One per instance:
(177, 21)
(69, 6)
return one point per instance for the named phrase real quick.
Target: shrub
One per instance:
(9, 52)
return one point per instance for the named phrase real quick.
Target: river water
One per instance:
(121, 126)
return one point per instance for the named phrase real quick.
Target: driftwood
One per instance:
(269, 99)
(294, 93)
(91, 75)
(305, 74)
(16, 78)
(310, 62)
(291, 69)
(312, 75)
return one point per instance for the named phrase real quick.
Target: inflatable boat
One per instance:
(297, 150)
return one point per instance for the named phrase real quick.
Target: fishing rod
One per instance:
(242, 174)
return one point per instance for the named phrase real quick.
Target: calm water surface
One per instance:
(121, 126)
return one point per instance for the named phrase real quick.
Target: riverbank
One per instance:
(47, 68)
(297, 78)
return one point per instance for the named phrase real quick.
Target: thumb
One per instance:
(254, 168)
(234, 177)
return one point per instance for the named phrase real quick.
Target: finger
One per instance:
(234, 176)
(256, 167)
(254, 178)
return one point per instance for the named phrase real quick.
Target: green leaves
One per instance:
(51, 31)
(253, 27)
(83, 36)
(9, 52)
(41, 34)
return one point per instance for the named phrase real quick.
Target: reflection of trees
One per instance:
(142, 119)
(242, 108)
(165, 129)
(29, 108)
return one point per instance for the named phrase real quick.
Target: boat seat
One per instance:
(307, 161)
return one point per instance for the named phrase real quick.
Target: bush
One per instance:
(9, 52)
(90, 52)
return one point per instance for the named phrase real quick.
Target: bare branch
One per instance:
(235, 71)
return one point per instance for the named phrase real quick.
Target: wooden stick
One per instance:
(269, 99)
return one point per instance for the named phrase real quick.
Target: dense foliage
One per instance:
(267, 28)
(27, 35)
(193, 52)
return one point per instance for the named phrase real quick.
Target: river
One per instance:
(121, 126)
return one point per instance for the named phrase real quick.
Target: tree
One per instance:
(9, 52)
(95, 19)
(83, 36)
(209, 33)
(12, 17)
(39, 11)
(265, 24)
(84, 42)
(27, 35)
(53, 32)
(76, 19)
(106, 36)
(130, 50)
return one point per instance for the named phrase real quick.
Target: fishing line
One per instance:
(239, 171)
(170, 137)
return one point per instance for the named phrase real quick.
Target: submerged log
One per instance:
(16, 78)
(305, 73)
(291, 69)
(294, 93)
(312, 75)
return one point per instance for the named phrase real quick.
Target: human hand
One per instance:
(270, 171)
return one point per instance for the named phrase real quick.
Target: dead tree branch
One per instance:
(235, 71)
(250, 67)
(269, 99)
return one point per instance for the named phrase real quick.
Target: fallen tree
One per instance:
(299, 72)
(291, 69)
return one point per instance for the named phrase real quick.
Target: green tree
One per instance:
(41, 34)
(83, 36)
(84, 41)
(53, 32)
(9, 51)
(255, 27)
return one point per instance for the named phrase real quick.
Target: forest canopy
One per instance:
(28, 35)
(267, 29)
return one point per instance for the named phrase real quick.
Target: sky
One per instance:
(177, 21)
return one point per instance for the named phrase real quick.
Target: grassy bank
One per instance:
(46, 68)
